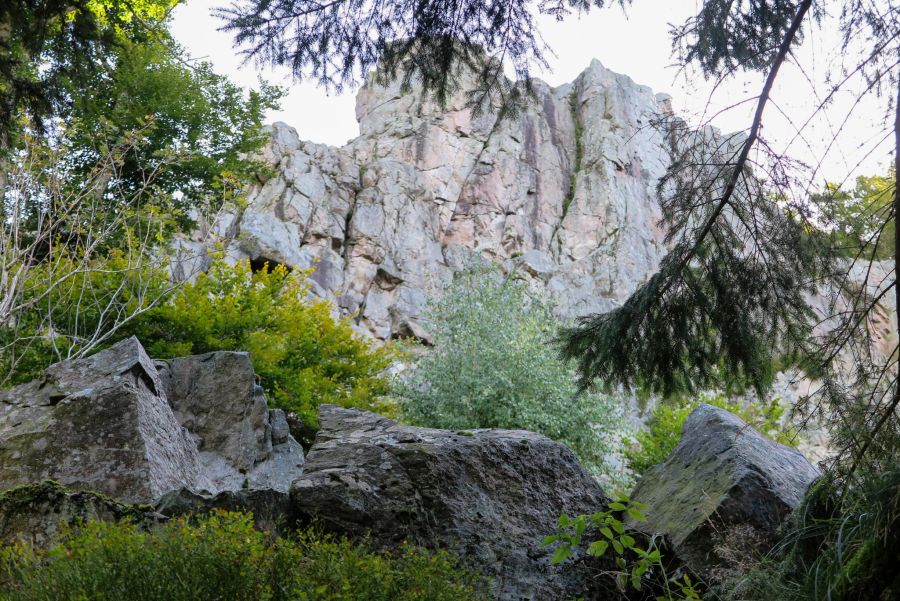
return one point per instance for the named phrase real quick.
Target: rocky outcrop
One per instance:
(242, 443)
(564, 191)
(491, 495)
(722, 475)
(101, 423)
(117, 424)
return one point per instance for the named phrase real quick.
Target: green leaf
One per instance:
(636, 515)
(618, 546)
(617, 526)
(561, 554)
(616, 506)
(627, 541)
(550, 540)
(598, 548)
(607, 533)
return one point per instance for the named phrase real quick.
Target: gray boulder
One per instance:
(119, 424)
(35, 514)
(722, 477)
(242, 443)
(490, 495)
(100, 423)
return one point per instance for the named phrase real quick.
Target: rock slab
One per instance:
(120, 424)
(722, 474)
(101, 423)
(242, 443)
(490, 495)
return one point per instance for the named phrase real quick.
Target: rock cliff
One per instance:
(564, 190)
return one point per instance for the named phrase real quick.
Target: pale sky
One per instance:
(636, 44)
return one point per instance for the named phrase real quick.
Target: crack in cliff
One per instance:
(462, 188)
(575, 111)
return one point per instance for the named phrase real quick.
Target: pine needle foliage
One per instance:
(337, 43)
(719, 303)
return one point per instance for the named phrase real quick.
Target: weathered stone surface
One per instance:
(100, 423)
(566, 190)
(116, 424)
(216, 398)
(722, 474)
(491, 495)
(272, 510)
(35, 514)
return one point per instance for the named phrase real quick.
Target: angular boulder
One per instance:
(722, 477)
(242, 443)
(120, 424)
(490, 495)
(100, 423)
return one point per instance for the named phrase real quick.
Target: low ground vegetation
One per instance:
(223, 557)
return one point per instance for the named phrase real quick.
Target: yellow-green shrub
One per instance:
(302, 355)
(222, 557)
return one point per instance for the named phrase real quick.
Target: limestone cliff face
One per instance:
(565, 191)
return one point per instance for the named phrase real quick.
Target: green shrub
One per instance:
(219, 558)
(663, 432)
(302, 355)
(71, 305)
(494, 365)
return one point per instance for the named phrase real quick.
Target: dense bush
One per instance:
(663, 432)
(302, 355)
(494, 365)
(222, 558)
(72, 304)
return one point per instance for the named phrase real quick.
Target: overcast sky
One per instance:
(636, 44)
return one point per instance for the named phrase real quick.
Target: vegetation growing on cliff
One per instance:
(303, 355)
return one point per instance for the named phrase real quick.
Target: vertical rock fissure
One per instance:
(579, 150)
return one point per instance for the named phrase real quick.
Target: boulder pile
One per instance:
(125, 436)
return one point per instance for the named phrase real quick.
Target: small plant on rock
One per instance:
(636, 566)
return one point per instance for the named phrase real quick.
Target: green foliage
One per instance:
(302, 355)
(493, 366)
(203, 126)
(839, 545)
(72, 303)
(635, 565)
(222, 557)
(861, 218)
(663, 431)
(49, 47)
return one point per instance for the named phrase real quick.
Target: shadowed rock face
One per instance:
(242, 443)
(35, 514)
(116, 424)
(101, 423)
(491, 495)
(722, 474)
(389, 217)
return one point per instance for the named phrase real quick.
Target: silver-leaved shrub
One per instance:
(494, 365)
